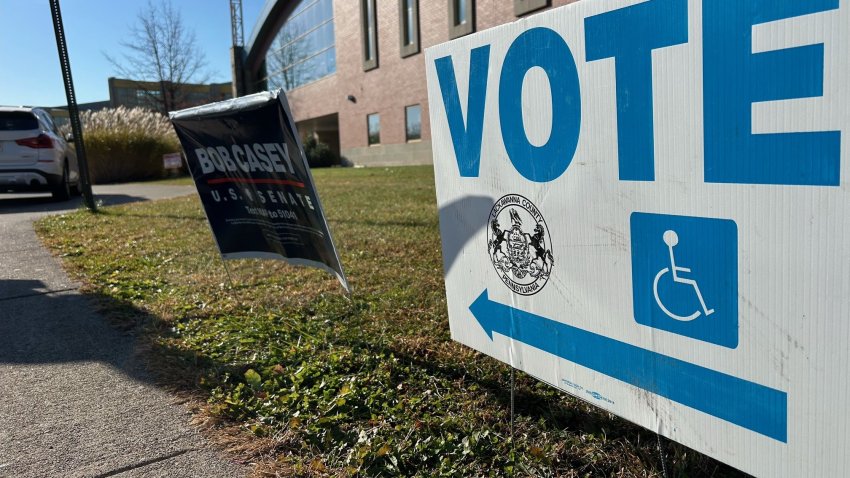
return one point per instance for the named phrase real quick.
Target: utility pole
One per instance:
(237, 51)
(73, 111)
(236, 29)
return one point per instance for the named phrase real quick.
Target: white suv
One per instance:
(34, 156)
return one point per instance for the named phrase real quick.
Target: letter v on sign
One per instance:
(466, 135)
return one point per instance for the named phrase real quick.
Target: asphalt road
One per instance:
(75, 400)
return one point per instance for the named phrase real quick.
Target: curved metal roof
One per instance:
(272, 17)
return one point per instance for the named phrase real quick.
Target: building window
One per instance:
(374, 124)
(409, 26)
(303, 51)
(413, 122)
(461, 17)
(369, 30)
(521, 7)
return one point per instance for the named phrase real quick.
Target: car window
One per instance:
(50, 123)
(44, 120)
(17, 121)
(41, 123)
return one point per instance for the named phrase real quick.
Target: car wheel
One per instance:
(62, 191)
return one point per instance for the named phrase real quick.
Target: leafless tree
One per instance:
(162, 50)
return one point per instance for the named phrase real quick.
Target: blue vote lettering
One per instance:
(734, 79)
(466, 135)
(543, 48)
(629, 35)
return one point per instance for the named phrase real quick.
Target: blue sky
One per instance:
(29, 63)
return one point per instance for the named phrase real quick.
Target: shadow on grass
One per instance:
(157, 216)
(63, 327)
(373, 223)
(32, 203)
(552, 412)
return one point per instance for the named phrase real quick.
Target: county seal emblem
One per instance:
(519, 245)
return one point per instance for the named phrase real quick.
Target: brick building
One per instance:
(133, 93)
(354, 70)
(148, 94)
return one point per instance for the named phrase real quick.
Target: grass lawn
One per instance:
(303, 381)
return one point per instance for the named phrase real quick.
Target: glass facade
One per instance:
(303, 51)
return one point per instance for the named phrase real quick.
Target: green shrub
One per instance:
(319, 155)
(127, 144)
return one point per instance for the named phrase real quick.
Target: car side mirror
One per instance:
(69, 137)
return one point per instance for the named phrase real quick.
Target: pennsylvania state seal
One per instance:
(519, 245)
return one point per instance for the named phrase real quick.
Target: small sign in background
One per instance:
(172, 161)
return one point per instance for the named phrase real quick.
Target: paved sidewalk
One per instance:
(74, 399)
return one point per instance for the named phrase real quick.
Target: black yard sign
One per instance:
(249, 166)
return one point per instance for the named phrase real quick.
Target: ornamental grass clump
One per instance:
(127, 144)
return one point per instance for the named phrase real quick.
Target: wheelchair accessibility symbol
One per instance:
(672, 239)
(685, 276)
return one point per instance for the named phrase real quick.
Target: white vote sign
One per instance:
(645, 204)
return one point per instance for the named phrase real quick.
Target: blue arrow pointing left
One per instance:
(747, 404)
